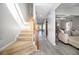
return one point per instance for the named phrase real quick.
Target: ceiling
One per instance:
(67, 9)
(43, 9)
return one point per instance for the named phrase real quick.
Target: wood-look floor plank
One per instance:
(59, 49)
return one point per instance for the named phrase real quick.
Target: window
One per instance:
(68, 26)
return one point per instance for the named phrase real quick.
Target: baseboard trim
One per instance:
(1, 49)
(51, 43)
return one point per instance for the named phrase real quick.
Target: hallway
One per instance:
(32, 17)
(61, 49)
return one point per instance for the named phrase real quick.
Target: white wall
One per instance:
(75, 22)
(48, 9)
(26, 9)
(51, 27)
(9, 28)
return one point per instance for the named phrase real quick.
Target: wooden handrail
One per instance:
(36, 36)
(35, 32)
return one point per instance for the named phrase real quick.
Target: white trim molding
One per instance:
(1, 49)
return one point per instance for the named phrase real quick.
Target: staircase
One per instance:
(23, 45)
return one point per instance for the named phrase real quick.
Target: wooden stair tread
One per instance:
(23, 44)
(28, 31)
(16, 50)
(31, 51)
(18, 43)
(24, 40)
(13, 49)
(25, 36)
(26, 51)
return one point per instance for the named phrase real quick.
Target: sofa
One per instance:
(63, 37)
(72, 40)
